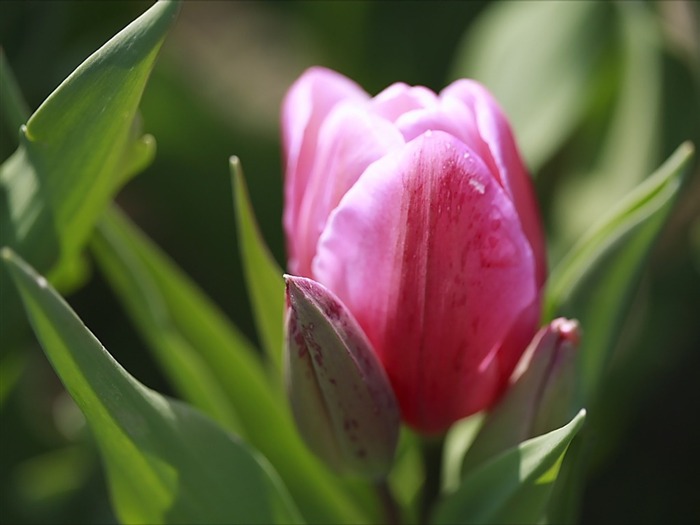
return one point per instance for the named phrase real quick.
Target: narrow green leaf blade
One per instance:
(515, 486)
(166, 462)
(594, 282)
(165, 305)
(631, 131)
(263, 275)
(194, 345)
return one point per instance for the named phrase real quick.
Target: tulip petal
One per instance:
(349, 140)
(451, 116)
(399, 98)
(304, 108)
(428, 253)
(497, 133)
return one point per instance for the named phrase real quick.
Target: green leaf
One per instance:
(407, 477)
(630, 127)
(595, 281)
(54, 474)
(166, 462)
(71, 157)
(12, 103)
(515, 486)
(263, 275)
(196, 347)
(195, 343)
(75, 151)
(14, 112)
(540, 71)
(12, 364)
(458, 442)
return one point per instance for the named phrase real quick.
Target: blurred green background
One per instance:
(599, 93)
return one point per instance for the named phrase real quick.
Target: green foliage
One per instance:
(583, 84)
(513, 487)
(195, 346)
(12, 103)
(596, 281)
(262, 274)
(80, 145)
(211, 364)
(166, 462)
(75, 152)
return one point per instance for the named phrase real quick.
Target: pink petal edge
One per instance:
(304, 109)
(496, 131)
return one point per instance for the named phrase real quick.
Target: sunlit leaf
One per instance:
(515, 486)
(458, 441)
(194, 342)
(71, 155)
(165, 461)
(407, 476)
(595, 281)
(196, 348)
(74, 153)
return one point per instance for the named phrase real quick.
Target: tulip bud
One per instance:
(541, 397)
(415, 209)
(341, 398)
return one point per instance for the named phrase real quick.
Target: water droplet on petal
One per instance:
(478, 186)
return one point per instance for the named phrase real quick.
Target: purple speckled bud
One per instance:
(341, 398)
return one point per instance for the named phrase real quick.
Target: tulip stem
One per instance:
(432, 459)
(391, 509)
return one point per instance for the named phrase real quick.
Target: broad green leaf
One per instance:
(537, 58)
(72, 152)
(195, 343)
(594, 282)
(513, 487)
(165, 461)
(263, 275)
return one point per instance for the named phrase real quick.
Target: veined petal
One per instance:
(427, 251)
(304, 109)
(497, 133)
(349, 140)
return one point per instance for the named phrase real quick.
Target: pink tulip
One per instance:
(415, 209)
